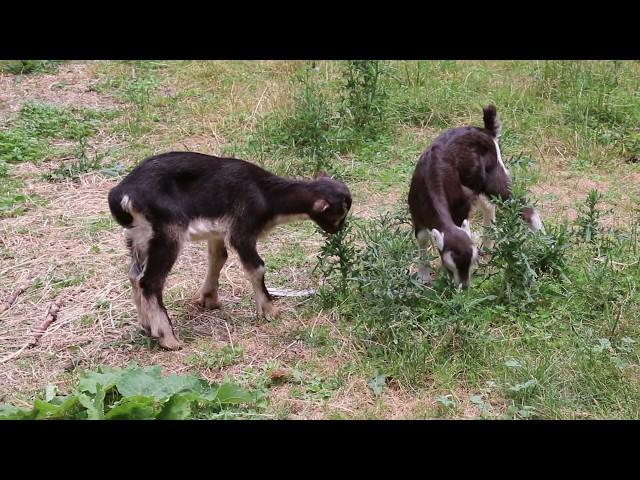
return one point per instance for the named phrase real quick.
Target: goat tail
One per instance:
(120, 206)
(491, 122)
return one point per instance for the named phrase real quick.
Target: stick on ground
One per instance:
(6, 304)
(52, 316)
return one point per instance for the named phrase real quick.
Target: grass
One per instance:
(32, 136)
(547, 328)
(25, 67)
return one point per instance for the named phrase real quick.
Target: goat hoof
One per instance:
(425, 278)
(269, 311)
(169, 342)
(208, 302)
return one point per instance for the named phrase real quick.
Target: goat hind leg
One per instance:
(162, 254)
(136, 270)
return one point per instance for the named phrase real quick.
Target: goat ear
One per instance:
(466, 227)
(320, 205)
(439, 238)
(322, 174)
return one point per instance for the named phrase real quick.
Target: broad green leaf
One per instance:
(523, 386)
(445, 401)
(376, 384)
(45, 410)
(150, 382)
(9, 412)
(178, 407)
(229, 393)
(95, 405)
(105, 376)
(133, 408)
(513, 363)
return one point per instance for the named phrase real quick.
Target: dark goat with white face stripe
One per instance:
(462, 166)
(179, 196)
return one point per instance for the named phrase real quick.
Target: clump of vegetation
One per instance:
(211, 357)
(542, 306)
(324, 120)
(24, 67)
(363, 98)
(84, 163)
(588, 218)
(28, 139)
(11, 196)
(520, 256)
(309, 131)
(135, 393)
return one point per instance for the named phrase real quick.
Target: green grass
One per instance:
(24, 67)
(550, 327)
(210, 357)
(30, 137)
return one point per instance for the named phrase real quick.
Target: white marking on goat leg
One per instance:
(156, 320)
(263, 304)
(424, 271)
(488, 217)
(139, 235)
(134, 277)
(536, 222)
(500, 157)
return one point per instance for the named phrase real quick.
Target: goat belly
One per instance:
(203, 228)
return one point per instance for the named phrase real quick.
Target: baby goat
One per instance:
(179, 196)
(462, 166)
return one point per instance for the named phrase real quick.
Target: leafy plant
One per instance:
(588, 217)
(309, 130)
(363, 95)
(83, 164)
(134, 393)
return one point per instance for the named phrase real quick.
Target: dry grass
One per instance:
(70, 87)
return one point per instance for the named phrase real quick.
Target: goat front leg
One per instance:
(217, 252)
(425, 275)
(254, 269)
(488, 217)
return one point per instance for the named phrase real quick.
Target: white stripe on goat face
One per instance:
(447, 260)
(341, 219)
(500, 157)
